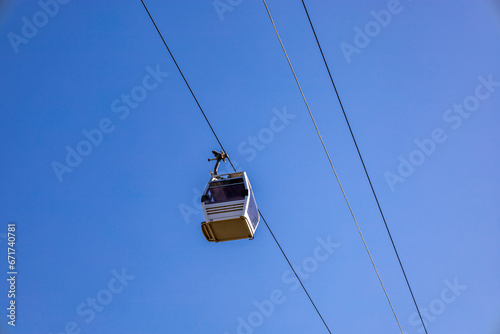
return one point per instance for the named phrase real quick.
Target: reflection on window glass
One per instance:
(225, 191)
(253, 212)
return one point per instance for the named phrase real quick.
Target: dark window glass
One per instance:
(225, 191)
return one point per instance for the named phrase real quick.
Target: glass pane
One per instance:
(253, 213)
(225, 191)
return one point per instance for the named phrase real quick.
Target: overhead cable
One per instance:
(333, 168)
(364, 166)
(222, 147)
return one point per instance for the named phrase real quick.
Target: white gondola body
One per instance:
(229, 207)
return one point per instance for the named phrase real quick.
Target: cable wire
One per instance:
(333, 168)
(222, 147)
(300, 281)
(183, 77)
(364, 166)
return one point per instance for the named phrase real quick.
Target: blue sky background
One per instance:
(132, 204)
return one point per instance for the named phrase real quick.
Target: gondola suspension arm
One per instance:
(218, 156)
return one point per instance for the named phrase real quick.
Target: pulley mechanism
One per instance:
(218, 156)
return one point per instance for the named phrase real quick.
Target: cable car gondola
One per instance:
(228, 205)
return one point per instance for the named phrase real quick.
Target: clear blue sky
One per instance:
(109, 239)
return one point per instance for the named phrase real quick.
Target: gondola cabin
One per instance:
(229, 207)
